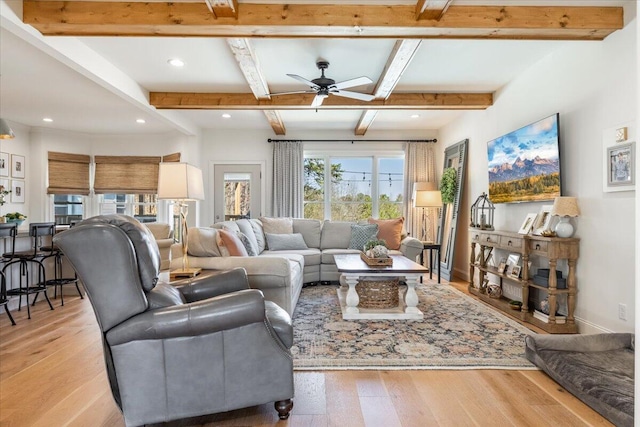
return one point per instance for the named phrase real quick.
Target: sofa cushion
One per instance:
(277, 225)
(285, 242)
(203, 242)
(327, 254)
(258, 233)
(251, 249)
(312, 256)
(335, 235)
(310, 229)
(389, 230)
(246, 228)
(361, 234)
(232, 243)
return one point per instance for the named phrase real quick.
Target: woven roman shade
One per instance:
(128, 174)
(68, 173)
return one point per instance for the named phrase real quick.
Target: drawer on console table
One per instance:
(489, 239)
(509, 242)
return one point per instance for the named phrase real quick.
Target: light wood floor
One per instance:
(52, 374)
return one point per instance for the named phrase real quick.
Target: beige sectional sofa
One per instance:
(280, 274)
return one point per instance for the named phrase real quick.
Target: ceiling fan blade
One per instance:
(303, 80)
(290, 93)
(359, 81)
(318, 100)
(354, 95)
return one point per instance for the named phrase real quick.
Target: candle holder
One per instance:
(482, 213)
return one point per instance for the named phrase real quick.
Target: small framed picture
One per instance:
(17, 166)
(543, 220)
(17, 191)
(503, 266)
(621, 174)
(4, 164)
(528, 223)
(515, 272)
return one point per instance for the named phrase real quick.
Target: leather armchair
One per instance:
(196, 347)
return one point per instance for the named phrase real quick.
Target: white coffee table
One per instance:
(353, 268)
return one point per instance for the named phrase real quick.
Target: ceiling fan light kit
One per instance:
(324, 86)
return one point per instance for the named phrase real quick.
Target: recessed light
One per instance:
(226, 116)
(176, 62)
(415, 116)
(141, 121)
(47, 119)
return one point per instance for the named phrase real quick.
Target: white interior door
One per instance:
(237, 191)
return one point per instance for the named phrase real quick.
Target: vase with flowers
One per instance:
(3, 193)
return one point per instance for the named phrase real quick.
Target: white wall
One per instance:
(252, 146)
(19, 145)
(593, 85)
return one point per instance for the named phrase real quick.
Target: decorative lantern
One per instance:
(482, 213)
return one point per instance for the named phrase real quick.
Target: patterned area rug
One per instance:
(457, 332)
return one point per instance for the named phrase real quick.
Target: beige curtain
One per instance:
(129, 174)
(419, 166)
(288, 180)
(68, 173)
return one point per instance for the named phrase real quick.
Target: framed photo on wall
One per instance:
(621, 165)
(17, 166)
(17, 191)
(4, 164)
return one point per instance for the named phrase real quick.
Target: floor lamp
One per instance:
(426, 195)
(181, 182)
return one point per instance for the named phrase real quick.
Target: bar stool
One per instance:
(34, 257)
(6, 231)
(53, 251)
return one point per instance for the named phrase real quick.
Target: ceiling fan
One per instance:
(323, 86)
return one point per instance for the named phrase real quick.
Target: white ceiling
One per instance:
(53, 77)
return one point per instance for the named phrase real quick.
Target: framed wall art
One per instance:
(17, 191)
(621, 174)
(17, 166)
(4, 164)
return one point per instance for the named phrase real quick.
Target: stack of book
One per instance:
(545, 317)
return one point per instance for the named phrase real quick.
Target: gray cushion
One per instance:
(246, 228)
(335, 235)
(256, 225)
(203, 242)
(285, 242)
(361, 234)
(251, 250)
(310, 230)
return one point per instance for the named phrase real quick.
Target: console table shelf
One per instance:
(551, 248)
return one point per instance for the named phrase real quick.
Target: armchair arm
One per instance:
(212, 284)
(203, 317)
(411, 247)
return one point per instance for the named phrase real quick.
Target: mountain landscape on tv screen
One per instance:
(523, 168)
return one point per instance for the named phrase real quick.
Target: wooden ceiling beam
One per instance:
(106, 18)
(223, 8)
(431, 9)
(247, 101)
(400, 57)
(250, 67)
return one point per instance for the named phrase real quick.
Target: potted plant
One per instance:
(376, 249)
(15, 217)
(448, 185)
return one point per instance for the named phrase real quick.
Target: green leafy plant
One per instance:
(3, 193)
(448, 185)
(15, 215)
(373, 243)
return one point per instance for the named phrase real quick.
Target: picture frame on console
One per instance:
(527, 224)
(515, 272)
(543, 220)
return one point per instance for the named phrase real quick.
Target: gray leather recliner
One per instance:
(204, 346)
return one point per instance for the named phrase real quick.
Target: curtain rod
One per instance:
(352, 140)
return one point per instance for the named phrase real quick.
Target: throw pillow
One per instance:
(285, 242)
(361, 234)
(389, 230)
(204, 242)
(232, 243)
(251, 251)
(277, 225)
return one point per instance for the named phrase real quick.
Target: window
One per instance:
(67, 208)
(143, 207)
(348, 191)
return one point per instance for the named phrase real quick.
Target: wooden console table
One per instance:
(551, 248)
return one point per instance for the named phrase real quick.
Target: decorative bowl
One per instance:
(15, 221)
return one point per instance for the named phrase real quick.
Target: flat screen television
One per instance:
(524, 165)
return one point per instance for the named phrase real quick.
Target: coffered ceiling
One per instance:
(97, 66)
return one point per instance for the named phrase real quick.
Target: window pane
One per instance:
(67, 208)
(314, 188)
(390, 187)
(351, 188)
(237, 196)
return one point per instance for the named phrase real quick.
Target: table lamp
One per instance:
(181, 182)
(565, 207)
(426, 195)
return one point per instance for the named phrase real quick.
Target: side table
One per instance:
(431, 246)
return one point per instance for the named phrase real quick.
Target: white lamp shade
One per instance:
(426, 195)
(180, 181)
